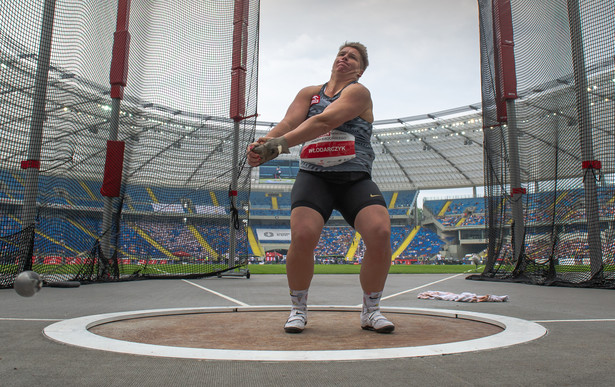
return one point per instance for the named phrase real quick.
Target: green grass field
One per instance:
(162, 269)
(407, 269)
(354, 269)
(254, 269)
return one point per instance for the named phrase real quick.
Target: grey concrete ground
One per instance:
(577, 351)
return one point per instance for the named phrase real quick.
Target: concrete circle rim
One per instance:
(76, 332)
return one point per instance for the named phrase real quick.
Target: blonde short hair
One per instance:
(362, 50)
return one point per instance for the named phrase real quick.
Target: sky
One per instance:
(424, 55)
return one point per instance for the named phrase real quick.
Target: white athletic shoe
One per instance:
(375, 321)
(296, 321)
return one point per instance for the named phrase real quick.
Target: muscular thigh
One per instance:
(313, 192)
(355, 196)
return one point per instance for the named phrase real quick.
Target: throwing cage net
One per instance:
(123, 128)
(548, 80)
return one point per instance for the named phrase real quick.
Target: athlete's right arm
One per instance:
(295, 115)
(296, 112)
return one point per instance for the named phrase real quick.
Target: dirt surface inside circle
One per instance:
(263, 330)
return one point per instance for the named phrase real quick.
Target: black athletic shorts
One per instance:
(347, 192)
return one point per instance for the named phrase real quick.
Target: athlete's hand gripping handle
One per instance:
(271, 149)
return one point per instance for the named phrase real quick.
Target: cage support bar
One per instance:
(117, 78)
(506, 88)
(585, 137)
(237, 106)
(36, 132)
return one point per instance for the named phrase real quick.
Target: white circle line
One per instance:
(76, 332)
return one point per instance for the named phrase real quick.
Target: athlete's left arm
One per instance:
(354, 101)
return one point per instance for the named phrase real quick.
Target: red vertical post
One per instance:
(506, 94)
(237, 110)
(238, 66)
(504, 55)
(117, 78)
(114, 165)
(121, 43)
(114, 162)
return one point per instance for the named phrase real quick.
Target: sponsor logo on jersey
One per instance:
(315, 99)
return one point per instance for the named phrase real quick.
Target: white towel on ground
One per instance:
(461, 297)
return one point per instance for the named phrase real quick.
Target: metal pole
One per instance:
(32, 164)
(117, 78)
(585, 134)
(417, 220)
(233, 197)
(515, 182)
(114, 123)
(237, 107)
(506, 90)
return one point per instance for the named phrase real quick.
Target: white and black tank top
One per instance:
(357, 127)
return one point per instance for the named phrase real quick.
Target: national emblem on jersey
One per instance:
(315, 99)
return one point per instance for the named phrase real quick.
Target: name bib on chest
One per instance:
(330, 149)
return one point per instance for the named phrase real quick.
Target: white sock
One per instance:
(371, 301)
(298, 299)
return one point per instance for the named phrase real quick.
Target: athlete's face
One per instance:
(348, 61)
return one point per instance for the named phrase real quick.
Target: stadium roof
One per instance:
(179, 148)
(439, 150)
(429, 151)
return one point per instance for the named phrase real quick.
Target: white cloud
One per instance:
(424, 56)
